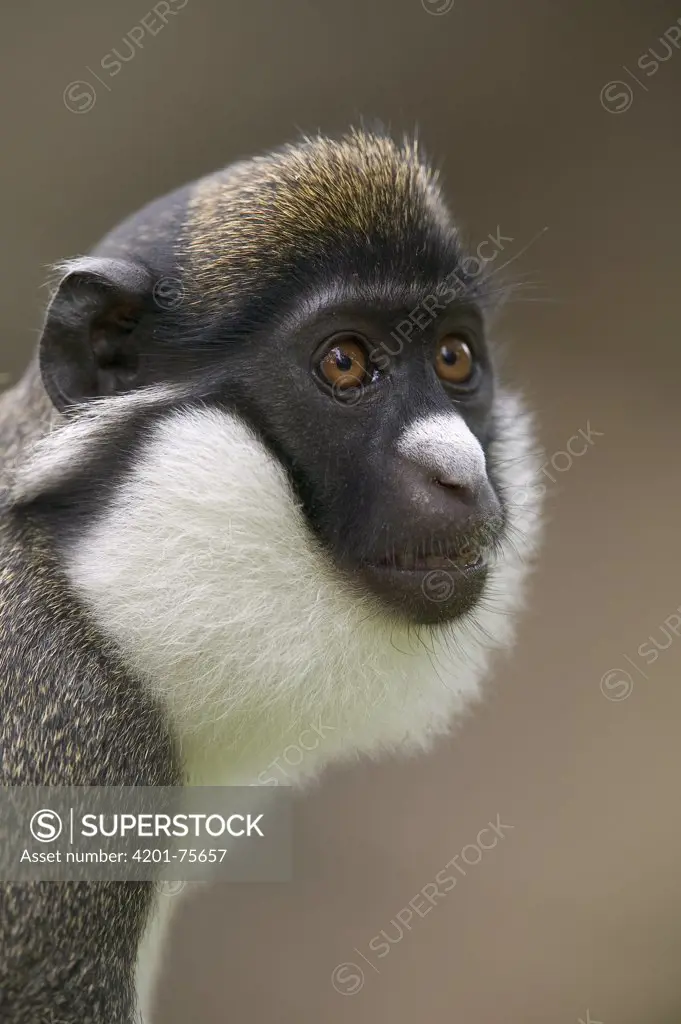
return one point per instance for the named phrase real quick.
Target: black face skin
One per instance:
(391, 526)
(389, 523)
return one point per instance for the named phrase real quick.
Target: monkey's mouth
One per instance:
(428, 587)
(411, 561)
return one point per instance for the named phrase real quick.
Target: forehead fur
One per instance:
(360, 190)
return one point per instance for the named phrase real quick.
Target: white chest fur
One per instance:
(270, 663)
(206, 576)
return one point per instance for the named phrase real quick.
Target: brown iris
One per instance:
(454, 361)
(345, 364)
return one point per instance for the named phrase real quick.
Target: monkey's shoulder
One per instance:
(70, 712)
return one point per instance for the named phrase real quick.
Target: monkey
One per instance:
(223, 519)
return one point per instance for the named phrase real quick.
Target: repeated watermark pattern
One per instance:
(168, 293)
(80, 96)
(455, 286)
(560, 462)
(294, 754)
(438, 585)
(618, 95)
(169, 887)
(309, 739)
(437, 6)
(617, 683)
(348, 978)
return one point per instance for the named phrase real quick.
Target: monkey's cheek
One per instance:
(426, 596)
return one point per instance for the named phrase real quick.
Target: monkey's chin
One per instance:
(427, 596)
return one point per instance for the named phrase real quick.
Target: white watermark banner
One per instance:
(240, 834)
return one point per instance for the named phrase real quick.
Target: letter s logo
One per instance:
(46, 826)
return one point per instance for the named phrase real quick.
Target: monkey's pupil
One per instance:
(343, 361)
(449, 356)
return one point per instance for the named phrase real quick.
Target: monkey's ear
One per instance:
(87, 348)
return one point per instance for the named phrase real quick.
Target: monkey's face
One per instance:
(322, 299)
(385, 435)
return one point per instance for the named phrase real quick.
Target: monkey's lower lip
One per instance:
(430, 590)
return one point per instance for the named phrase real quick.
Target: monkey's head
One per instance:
(278, 400)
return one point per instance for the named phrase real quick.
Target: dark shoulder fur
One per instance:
(69, 715)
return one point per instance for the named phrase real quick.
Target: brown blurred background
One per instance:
(577, 913)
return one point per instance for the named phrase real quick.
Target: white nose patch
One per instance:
(444, 445)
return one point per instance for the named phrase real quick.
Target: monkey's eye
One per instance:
(454, 361)
(346, 363)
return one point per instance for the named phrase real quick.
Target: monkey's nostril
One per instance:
(462, 490)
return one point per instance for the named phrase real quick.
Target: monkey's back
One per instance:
(70, 714)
